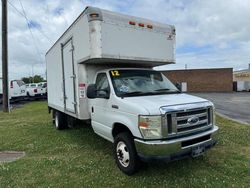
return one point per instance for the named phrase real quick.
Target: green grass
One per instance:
(80, 158)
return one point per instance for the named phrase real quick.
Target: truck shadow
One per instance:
(84, 135)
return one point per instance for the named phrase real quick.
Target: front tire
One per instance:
(126, 156)
(60, 120)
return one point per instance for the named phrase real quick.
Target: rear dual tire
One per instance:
(63, 121)
(60, 120)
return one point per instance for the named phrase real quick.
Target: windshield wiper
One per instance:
(136, 93)
(132, 93)
(167, 89)
(164, 89)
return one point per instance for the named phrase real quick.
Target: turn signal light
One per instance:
(143, 125)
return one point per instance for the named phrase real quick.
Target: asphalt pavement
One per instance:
(235, 105)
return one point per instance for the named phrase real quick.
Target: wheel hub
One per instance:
(56, 121)
(122, 154)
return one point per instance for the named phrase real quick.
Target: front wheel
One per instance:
(126, 156)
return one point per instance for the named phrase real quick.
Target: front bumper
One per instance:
(39, 95)
(175, 148)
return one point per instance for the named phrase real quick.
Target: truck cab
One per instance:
(156, 119)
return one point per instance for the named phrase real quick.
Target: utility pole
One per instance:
(5, 57)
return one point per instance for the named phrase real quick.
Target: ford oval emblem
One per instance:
(193, 120)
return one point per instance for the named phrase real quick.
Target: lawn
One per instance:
(80, 158)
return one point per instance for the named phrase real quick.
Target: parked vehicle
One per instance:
(44, 88)
(17, 90)
(36, 91)
(100, 70)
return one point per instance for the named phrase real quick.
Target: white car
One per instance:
(35, 91)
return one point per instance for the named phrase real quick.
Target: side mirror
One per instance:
(91, 91)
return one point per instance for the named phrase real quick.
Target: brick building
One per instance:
(202, 80)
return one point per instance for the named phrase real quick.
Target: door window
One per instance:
(102, 85)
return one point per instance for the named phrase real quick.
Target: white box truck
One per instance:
(101, 70)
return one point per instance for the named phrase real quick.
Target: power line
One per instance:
(27, 20)
(25, 16)
(16, 9)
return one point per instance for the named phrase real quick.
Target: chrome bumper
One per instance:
(171, 149)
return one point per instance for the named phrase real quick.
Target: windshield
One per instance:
(140, 82)
(20, 83)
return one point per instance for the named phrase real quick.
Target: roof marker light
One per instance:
(131, 23)
(141, 24)
(94, 15)
(150, 26)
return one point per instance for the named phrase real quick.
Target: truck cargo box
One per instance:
(103, 36)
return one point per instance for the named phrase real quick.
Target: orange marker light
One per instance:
(141, 24)
(143, 125)
(94, 15)
(150, 26)
(131, 23)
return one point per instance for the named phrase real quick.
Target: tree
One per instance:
(34, 79)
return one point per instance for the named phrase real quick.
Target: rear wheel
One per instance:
(71, 122)
(126, 156)
(60, 120)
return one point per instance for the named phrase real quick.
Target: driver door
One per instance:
(100, 107)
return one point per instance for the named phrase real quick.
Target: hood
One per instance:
(153, 103)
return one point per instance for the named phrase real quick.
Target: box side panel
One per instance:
(79, 34)
(81, 42)
(82, 92)
(121, 42)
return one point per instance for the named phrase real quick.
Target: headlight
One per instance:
(150, 126)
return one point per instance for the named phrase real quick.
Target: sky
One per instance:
(209, 33)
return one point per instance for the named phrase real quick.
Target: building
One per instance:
(241, 80)
(202, 80)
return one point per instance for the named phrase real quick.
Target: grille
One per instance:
(189, 121)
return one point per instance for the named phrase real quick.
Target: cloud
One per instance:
(209, 33)
(33, 24)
